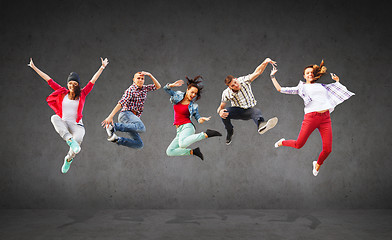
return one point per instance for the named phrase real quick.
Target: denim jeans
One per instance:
(185, 137)
(243, 114)
(130, 123)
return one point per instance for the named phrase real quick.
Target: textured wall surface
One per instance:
(214, 39)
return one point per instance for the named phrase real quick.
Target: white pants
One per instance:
(67, 130)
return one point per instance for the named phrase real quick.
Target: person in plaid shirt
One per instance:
(320, 100)
(243, 102)
(131, 105)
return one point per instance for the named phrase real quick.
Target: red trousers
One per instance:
(311, 121)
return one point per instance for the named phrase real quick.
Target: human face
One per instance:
(191, 93)
(138, 79)
(72, 85)
(234, 85)
(308, 75)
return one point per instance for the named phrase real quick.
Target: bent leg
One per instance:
(187, 135)
(308, 126)
(61, 127)
(129, 122)
(174, 148)
(78, 133)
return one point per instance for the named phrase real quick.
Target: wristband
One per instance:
(102, 67)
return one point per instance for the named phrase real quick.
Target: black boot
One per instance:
(212, 133)
(197, 152)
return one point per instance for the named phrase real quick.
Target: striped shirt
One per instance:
(134, 98)
(337, 93)
(244, 97)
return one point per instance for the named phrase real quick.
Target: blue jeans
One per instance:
(243, 114)
(130, 123)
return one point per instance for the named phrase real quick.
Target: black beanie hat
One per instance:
(73, 76)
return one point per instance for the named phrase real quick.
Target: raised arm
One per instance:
(260, 69)
(100, 70)
(274, 81)
(42, 74)
(157, 84)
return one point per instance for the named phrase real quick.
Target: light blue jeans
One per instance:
(185, 137)
(130, 123)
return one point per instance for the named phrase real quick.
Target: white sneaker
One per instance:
(270, 124)
(315, 172)
(109, 130)
(113, 138)
(278, 142)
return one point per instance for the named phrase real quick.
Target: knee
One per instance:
(299, 145)
(169, 152)
(142, 128)
(139, 145)
(54, 118)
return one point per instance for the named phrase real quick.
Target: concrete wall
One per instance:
(174, 39)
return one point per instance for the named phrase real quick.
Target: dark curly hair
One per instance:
(318, 71)
(197, 83)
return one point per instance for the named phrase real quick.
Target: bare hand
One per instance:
(145, 73)
(274, 70)
(177, 83)
(104, 62)
(223, 113)
(334, 77)
(108, 121)
(31, 64)
(203, 119)
(269, 60)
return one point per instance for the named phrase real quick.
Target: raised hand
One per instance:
(177, 83)
(274, 70)
(31, 63)
(203, 119)
(334, 77)
(104, 62)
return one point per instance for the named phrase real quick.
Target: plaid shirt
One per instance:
(337, 93)
(244, 97)
(134, 98)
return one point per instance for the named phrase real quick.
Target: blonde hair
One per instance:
(318, 71)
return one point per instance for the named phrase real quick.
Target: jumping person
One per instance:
(68, 104)
(131, 105)
(320, 100)
(239, 93)
(184, 108)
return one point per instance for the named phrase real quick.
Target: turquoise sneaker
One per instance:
(66, 165)
(74, 145)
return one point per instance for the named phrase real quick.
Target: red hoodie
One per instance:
(55, 100)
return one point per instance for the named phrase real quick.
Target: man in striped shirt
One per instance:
(239, 93)
(131, 105)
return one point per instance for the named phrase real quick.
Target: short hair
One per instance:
(228, 79)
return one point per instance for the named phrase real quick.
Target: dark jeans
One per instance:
(243, 114)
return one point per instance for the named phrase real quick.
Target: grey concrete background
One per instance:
(172, 39)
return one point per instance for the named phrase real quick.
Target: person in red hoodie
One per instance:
(68, 104)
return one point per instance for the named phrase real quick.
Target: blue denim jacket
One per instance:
(177, 96)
